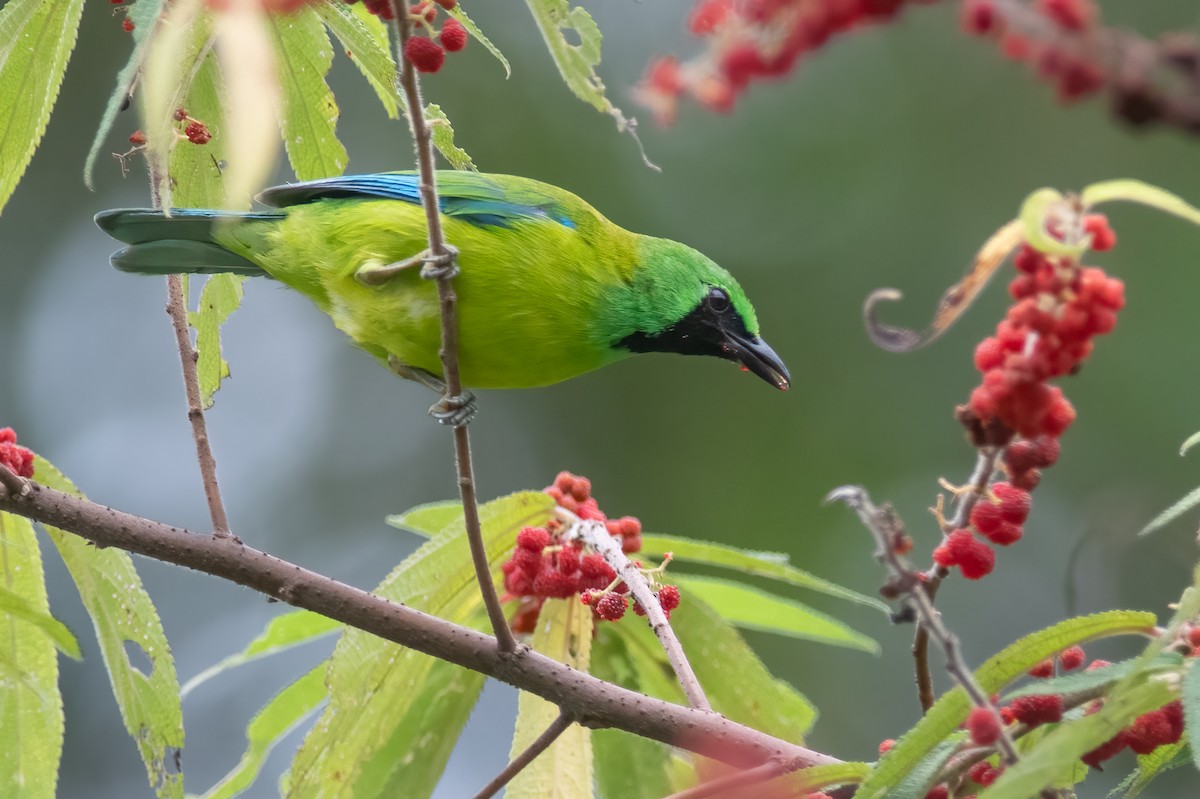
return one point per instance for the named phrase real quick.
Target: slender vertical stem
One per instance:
(448, 302)
(539, 745)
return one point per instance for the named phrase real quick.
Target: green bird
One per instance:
(549, 288)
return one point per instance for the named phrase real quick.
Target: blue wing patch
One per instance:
(471, 197)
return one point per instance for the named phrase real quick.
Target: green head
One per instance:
(680, 301)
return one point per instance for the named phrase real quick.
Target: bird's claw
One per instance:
(456, 411)
(440, 266)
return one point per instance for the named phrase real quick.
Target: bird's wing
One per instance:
(479, 199)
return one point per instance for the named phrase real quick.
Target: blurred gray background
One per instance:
(886, 160)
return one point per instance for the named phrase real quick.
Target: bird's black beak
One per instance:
(756, 355)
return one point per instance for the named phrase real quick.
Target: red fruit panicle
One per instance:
(611, 607)
(534, 539)
(137, 138)
(1103, 237)
(974, 558)
(1014, 503)
(983, 725)
(18, 459)
(1156, 728)
(1043, 670)
(424, 54)
(454, 35)
(127, 25)
(668, 597)
(1037, 709)
(1105, 751)
(197, 133)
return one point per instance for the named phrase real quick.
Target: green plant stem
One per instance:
(448, 304)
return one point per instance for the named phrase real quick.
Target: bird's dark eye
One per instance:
(717, 300)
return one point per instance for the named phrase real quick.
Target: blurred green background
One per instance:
(885, 160)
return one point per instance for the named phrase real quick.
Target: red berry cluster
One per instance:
(1065, 59)
(17, 458)
(1147, 732)
(752, 40)
(544, 565)
(1060, 306)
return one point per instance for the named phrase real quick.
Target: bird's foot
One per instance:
(455, 411)
(416, 375)
(443, 266)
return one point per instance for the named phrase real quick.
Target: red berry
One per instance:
(1038, 709)
(594, 565)
(664, 76)
(611, 606)
(447, 4)
(180, 114)
(989, 354)
(973, 557)
(1005, 534)
(518, 582)
(197, 133)
(1193, 633)
(983, 773)
(986, 516)
(137, 138)
(568, 560)
(1103, 237)
(886, 745)
(1027, 479)
(535, 539)
(453, 35)
(668, 597)
(983, 726)
(631, 544)
(563, 481)
(1059, 416)
(1073, 15)
(708, 15)
(1105, 751)
(127, 25)
(554, 584)
(424, 54)
(1071, 658)
(1043, 669)
(1014, 502)
(980, 17)
(938, 792)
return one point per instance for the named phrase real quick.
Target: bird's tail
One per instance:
(188, 241)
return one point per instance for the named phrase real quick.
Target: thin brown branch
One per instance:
(539, 745)
(441, 266)
(14, 484)
(592, 702)
(885, 527)
(596, 535)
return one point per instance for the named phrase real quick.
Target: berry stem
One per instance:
(442, 254)
(14, 484)
(885, 526)
(539, 745)
(596, 535)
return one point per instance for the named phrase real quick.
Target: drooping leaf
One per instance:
(1095, 678)
(1191, 441)
(21, 607)
(36, 40)
(282, 633)
(916, 783)
(429, 519)
(443, 138)
(287, 710)
(132, 644)
(461, 15)
(1190, 694)
(31, 713)
(374, 685)
(221, 296)
(1162, 759)
(1035, 212)
(144, 16)
(365, 40)
(814, 778)
(1013, 661)
(304, 55)
(564, 770)
(1136, 191)
(1172, 513)
(751, 608)
(765, 564)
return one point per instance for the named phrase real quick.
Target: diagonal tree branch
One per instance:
(440, 265)
(590, 701)
(539, 745)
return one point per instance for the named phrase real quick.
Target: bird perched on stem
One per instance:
(549, 288)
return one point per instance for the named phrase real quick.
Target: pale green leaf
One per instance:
(1095, 678)
(1069, 741)
(429, 519)
(13, 604)
(1034, 213)
(375, 684)
(1172, 513)
(815, 778)
(221, 296)
(443, 139)
(36, 39)
(765, 564)
(916, 783)
(31, 713)
(1013, 661)
(630, 767)
(285, 712)
(144, 16)
(1192, 441)
(310, 114)
(127, 624)
(1190, 694)
(751, 608)
(564, 770)
(284, 632)
(576, 62)
(364, 38)
(461, 15)
(1162, 759)
(1136, 191)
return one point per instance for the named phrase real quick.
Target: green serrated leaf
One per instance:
(564, 770)
(1068, 742)
(364, 38)
(1172, 513)
(144, 15)
(13, 604)
(1162, 759)
(1095, 678)
(285, 712)
(374, 684)
(815, 778)
(1190, 694)
(304, 55)
(36, 40)
(1034, 212)
(429, 519)
(916, 783)
(1136, 191)
(461, 15)
(127, 625)
(1013, 661)
(31, 713)
(754, 609)
(765, 564)
(284, 632)
(221, 296)
(443, 139)
(576, 62)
